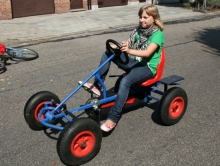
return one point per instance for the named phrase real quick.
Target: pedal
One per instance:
(88, 89)
(85, 88)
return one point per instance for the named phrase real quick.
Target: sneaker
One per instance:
(90, 87)
(106, 127)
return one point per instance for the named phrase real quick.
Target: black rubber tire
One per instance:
(2, 66)
(88, 129)
(32, 105)
(22, 53)
(173, 105)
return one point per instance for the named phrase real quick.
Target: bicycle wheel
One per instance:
(22, 53)
(2, 66)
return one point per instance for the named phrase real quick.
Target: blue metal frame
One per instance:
(56, 112)
(50, 111)
(10, 48)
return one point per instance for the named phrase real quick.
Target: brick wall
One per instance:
(5, 10)
(94, 4)
(62, 6)
(133, 2)
(85, 4)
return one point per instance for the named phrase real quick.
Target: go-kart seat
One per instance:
(159, 72)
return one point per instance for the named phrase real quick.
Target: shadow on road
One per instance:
(138, 103)
(9, 62)
(149, 106)
(209, 37)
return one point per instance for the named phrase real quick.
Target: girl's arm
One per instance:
(151, 48)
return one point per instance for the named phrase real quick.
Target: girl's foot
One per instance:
(108, 125)
(90, 87)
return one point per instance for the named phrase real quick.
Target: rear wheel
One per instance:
(22, 53)
(35, 104)
(173, 105)
(79, 142)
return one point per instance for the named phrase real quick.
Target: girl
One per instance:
(145, 45)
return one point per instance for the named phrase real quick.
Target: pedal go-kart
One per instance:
(80, 139)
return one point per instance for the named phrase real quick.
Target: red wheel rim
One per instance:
(37, 111)
(83, 144)
(176, 107)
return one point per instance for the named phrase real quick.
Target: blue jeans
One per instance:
(136, 73)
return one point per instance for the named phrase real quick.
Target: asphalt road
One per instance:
(192, 51)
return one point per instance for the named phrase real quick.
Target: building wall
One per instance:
(94, 4)
(85, 4)
(5, 10)
(133, 2)
(61, 6)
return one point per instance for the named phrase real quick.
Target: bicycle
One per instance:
(15, 53)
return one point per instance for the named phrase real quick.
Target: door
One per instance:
(76, 4)
(23, 8)
(108, 3)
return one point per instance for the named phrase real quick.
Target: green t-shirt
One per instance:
(152, 61)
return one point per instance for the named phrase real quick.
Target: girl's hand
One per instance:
(112, 46)
(125, 48)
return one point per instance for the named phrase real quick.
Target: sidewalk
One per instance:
(26, 30)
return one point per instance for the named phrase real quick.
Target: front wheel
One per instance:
(79, 142)
(173, 105)
(35, 104)
(22, 53)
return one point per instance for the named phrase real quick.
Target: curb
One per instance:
(126, 28)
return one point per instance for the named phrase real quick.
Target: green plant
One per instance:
(186, 5)
(213, 3)
(189, 4)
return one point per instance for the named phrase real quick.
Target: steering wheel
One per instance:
(116, 51)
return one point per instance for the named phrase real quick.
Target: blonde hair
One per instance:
(152, 11)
